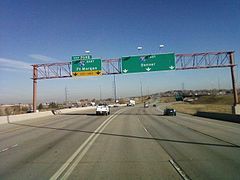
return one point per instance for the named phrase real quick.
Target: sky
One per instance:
(45, 31)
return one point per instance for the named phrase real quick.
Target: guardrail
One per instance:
(22, 117)
(219, 116)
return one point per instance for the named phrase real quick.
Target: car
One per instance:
(30, 111)
(154, 105)
(169, 112)
(146, 105)
(102, 109)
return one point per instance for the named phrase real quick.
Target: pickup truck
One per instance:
(102, 109)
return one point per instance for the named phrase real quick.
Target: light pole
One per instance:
(141, 89)
(66, 95)
(139, 48)
(100, 93)
(161, 46)
(87, 52)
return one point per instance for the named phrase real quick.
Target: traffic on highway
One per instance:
(133, 142)
(119, 90)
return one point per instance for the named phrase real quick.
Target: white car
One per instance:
(102, 109)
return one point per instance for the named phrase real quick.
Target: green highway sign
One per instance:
(148, 63)
(83, 57)
(88, 67)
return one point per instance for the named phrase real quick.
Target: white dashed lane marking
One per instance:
(8, 148)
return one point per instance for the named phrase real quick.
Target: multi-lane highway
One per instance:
(131, 143)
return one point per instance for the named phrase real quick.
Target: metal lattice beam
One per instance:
(203, 60)
(53, 70)
(111, 66)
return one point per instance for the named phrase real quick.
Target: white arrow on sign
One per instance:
(171, 67)
(148, 69)
(125, 70)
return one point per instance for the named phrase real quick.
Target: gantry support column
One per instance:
(235, 108)
(35, 75)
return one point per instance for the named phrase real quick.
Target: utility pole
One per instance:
(100, 92)
(218, 84)
(183, 86)
(141, 90)
(66, 94)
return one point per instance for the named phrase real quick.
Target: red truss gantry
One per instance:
(203, 60)
(52, 70)
(113, 66)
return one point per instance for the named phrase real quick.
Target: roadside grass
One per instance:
(167, 99)
(219, 104)
(194, 108)
(225, 100)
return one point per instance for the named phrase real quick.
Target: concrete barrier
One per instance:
(219, 116)
(22, 117)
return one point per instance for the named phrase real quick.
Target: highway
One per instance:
(131, 143)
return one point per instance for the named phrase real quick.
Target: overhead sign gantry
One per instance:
(87, 66)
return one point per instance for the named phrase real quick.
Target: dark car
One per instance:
(154, 105)
(169, 112)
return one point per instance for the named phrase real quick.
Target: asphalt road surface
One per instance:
(131, 143)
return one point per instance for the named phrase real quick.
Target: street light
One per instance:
(87, 52)
(161, 46)
(141, 89)
(139, 48)
(100, 93)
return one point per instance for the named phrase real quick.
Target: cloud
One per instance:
(10, 64)
(10, 69)
(42, 57)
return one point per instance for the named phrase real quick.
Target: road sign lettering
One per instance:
(87, 73)
(82, 57)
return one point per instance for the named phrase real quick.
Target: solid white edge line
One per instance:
(75, 154)
(179, 170)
